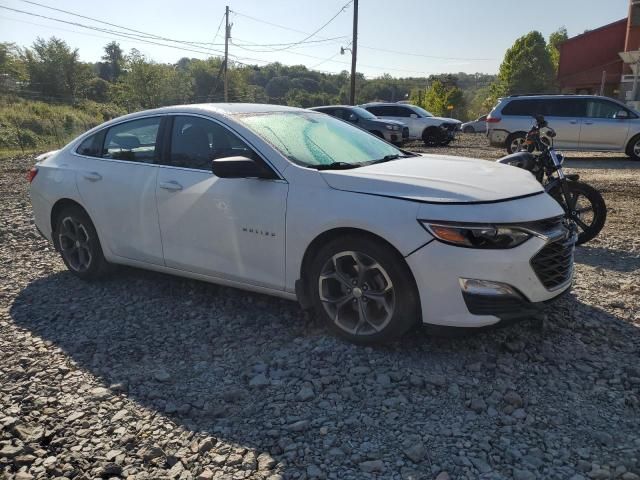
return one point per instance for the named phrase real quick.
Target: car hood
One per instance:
(437, 179)
(382, 121)
(446, 120)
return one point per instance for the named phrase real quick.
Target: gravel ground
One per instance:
(147, 376)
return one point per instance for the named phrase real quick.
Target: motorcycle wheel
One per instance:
(587, 209)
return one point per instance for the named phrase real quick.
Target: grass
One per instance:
(28, 126)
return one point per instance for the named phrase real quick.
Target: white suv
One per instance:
(581, 122)
(433, 131)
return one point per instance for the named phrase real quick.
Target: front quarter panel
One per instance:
(314, 208)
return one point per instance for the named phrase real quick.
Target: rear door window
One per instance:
(524, 108)
(92, 146)
(134, 141)
(565, 107)
(602, 109)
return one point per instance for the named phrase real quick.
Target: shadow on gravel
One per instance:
(600, 163)
(608, 258)
(248, 369)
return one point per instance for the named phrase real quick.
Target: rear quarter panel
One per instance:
(56, 179)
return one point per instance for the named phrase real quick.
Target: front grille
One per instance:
(405, 132)
(554, 263)
(451, 127)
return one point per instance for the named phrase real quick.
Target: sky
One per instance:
(402, 38)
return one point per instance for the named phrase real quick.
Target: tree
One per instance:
(12, 67)
(278, 87)
(438, 98)
(55, 70)
(113, 58)
(555, 39)
(526, 68)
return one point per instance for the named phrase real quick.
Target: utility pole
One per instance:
(227, 35)
(354, 53)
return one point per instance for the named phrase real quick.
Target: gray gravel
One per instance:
(146, 376)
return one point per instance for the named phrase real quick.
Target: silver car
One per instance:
(581, 122)
(479, 125)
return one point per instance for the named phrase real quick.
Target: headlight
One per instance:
(392, 127)
(477, 236)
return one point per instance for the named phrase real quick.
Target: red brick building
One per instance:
(586, 58)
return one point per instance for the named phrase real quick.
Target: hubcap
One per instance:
(73, 239)
(636, 149)
(516, 144)
(356, 293)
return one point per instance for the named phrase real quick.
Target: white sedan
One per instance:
(298, 204)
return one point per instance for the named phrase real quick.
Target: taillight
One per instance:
(31, 174)
(493, 119)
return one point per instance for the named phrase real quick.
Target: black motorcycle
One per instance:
(582, 203)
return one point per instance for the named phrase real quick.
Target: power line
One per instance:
(319, 29)
(368, 47)
(424, 56)
(138, 32)
(291, 44)
(213, 42)
(203, 50)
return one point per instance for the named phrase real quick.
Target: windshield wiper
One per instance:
(336, 166)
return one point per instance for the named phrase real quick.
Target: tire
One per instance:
(469, 129)
(514, 142)
(363, 290)
(633, 148)
(76, 239)
(590, 208)
(431, 137)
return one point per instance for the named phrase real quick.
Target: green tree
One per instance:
(555, 39)
(438, 98)
(526, 68)
(12, 67)
(55, 70)
(113, 59)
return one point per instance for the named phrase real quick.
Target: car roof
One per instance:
(386, 104)
(551, 97)
(333, 106)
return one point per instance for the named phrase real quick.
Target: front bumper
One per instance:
(438, 268)
(395, 136)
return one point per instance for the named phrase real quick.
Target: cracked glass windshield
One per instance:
(316, 140)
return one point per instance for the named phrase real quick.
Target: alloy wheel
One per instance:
(581, 211)
(636, 149)
(73, 239)
(357, 293)
(516, 144)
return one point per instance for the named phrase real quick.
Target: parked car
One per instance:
(581, 122)
(301, 205)
(390, 130)
(433, 131)
(478, 125)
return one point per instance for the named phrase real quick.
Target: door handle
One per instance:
(92, 176)
(172, 186)
(588, 123)
(573, 122)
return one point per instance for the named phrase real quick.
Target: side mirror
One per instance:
(621, 115)
(413, 115)
(239, 167)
